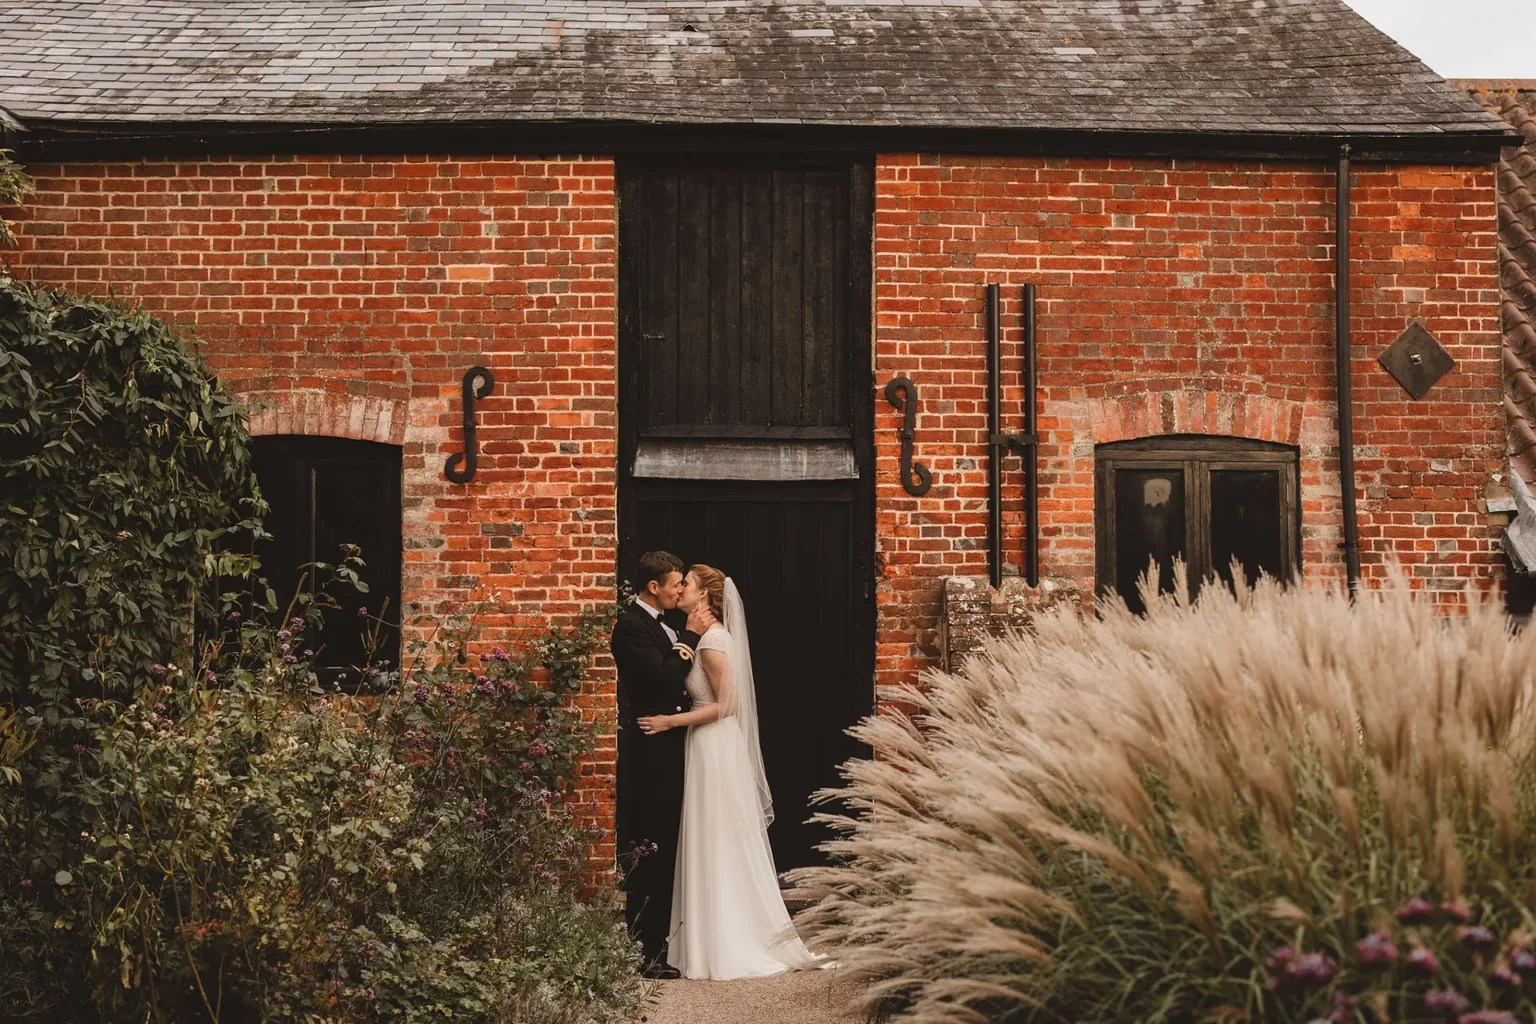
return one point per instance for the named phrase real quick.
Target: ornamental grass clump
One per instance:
(1265, 805)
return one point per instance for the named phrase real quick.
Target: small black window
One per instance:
(1206, 500)
(326, 492)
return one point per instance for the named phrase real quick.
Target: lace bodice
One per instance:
(715, 638)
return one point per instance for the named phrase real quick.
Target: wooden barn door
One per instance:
(746, 431)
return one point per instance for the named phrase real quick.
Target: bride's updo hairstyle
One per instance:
(712, 582)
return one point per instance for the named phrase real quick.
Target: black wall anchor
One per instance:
(472, 393)
(902, 394)
(1000, 445)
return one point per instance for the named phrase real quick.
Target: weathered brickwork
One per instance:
(348, 296)
(1178, 298)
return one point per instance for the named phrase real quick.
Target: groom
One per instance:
(653, 659)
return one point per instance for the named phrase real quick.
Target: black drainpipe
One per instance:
(1345, 394)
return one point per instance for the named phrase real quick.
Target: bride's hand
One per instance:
(653, 724)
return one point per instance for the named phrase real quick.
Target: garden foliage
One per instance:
(1274, 805)
(190, 828)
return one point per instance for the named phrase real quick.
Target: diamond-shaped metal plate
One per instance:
(1416, 360)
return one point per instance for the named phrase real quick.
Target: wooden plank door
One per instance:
(744, 333)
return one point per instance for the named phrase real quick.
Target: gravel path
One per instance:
(798, 997)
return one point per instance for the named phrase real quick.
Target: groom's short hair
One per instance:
(655, 565)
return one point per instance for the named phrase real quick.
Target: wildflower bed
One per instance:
(191, 828)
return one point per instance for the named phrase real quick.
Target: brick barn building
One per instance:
(713, 256)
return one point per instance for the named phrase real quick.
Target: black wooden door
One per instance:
(746, 432)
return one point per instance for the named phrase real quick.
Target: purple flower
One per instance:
(480, 813)
(234, 616)
(362, 612)
(308, 653)
(1488, 1017)
(1311, 969)
(499, 654)
(1476, 935)
(333, 882)
(487, 687)
(1377, 948)
(1457, 910)
(211, 677)
(421, 695)
(1343, 1007)
(484, 657)
(1446, 1000)
(289, 659)
(509, 685)
(79, 748)
(1415, 911)
(1502, 975)
(26, 883)
(283, 634)
(1423, 961)
(159, 709)
(158, 671)
(296, 623)
(1522, 960)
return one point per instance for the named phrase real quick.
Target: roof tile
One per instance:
(1203, 65)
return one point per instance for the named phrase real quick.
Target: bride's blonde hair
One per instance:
(712, 581)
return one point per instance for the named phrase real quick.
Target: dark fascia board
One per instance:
(86, 141)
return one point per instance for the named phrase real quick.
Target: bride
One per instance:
(728, 919)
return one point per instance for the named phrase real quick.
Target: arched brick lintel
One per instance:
(1151, 413)
(359, 417)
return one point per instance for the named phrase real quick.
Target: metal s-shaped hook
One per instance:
(902, 394)
(478, 382)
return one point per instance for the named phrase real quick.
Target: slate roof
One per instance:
(1277, 66)
(1517, 269)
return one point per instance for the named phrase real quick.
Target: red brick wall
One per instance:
(1178, 298)
(351, 295)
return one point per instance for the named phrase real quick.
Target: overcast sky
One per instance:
(1462, 38)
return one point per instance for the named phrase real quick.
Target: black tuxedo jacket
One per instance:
(651, 666)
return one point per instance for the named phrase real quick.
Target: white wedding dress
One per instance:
(728, 919)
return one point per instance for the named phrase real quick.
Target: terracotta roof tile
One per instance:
(1517, 267)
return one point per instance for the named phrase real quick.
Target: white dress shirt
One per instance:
(656, 614)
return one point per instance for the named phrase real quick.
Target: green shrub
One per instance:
(190, 828)
(245, 847)
(122, 466)
(1220, 811)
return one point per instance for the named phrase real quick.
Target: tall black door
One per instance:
(746, 431)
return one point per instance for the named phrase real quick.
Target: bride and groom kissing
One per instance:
(701, 893)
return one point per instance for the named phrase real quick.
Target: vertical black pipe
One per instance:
(994, 453)
(1341, 355)
(1032, 454)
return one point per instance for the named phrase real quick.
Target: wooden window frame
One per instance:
(303, 453)
(1196, 456)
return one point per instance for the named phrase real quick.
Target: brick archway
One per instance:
(359, 417)
(1189, 411)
